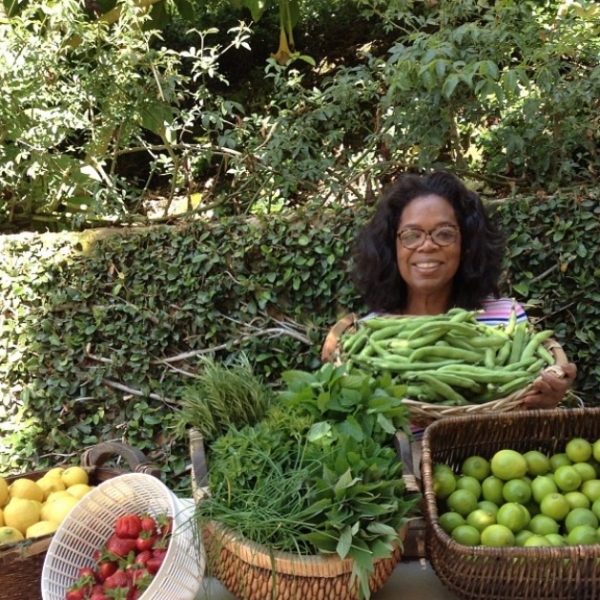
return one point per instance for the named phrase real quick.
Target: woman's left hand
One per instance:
(549, 389)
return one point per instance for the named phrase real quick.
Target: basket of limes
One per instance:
(512, 504)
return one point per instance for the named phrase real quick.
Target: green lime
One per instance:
(586, 470)
(517, 490)
(444, 483)
(577, 499)
(508, 464)
(466, 482)
(489, 506)
(596, 507)
(497, 536)
(466, 535)
(537, 463)
(522, 536)
(514, 516)
(596, 450)
(480, 519)
(537, 540)
(567, 478)
(558, 460)
(542, 525)
(491, 489)
(476, 466)
(451, 520)
(541, 486)
(582, 534)
(555, 506)
(580, 516)
(556, 539)
(578, 450)
(591, 488)
(462, 501)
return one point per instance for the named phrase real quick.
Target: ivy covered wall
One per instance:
(100, 330)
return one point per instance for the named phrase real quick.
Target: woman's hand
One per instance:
(549, 389)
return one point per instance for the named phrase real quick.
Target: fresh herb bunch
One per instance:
(318, 474)
(221, 397)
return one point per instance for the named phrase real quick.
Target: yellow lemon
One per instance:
(73, 475)
(79, 490)
(9, 535)
(41, 528)
(4, 494)
(57, 511)
(2, 523)
(51, 484)
(55, 472)
(54, 496)
(20, 514)
(26, 489)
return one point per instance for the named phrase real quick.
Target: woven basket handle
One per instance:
(406, 454)
(98, 455)
(330, 349)
(199, 466)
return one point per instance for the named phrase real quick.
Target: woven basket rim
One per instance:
(316, 565)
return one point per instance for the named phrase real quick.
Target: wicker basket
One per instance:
(425, 413)
(484, 573)
(21, 563)
(253, 572)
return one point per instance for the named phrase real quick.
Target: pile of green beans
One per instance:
(451, 358)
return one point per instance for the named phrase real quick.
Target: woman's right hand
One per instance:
(550, 387)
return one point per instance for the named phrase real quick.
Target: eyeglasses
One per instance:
(444, 235)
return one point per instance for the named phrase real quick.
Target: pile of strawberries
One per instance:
(128, 561)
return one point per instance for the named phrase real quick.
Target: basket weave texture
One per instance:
(425, 413)
(250, 572)
(515, 573)
(21, 563)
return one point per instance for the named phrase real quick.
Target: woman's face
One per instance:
(428, 267)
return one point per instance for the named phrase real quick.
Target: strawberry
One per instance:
(118, 579)
(145, 541)
(155, 562)
(148, 523)
(128, 526)
(76, 594)
(142, 557)
(106, 569)
(120, 547)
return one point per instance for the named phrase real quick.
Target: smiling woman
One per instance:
(431, 247)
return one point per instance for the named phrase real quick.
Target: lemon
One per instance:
(537, 463)
(57, 511)
(2, 523)
(497, 535)
(54, 472)
(476, 466)
(508, 464)
(20, 514)
(54, 496)
(467, 535)
(79, 490)
(50, 484)
(555, 506)
(578, 449)
(27, 489)
(73, 475)
(41, 528)
(4, 494)
(9, 535)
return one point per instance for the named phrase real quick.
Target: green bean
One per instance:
(450, 378)
(490, 358)
(535, 341)
(444, 389)
(546, 355)
(443, 352)
(518, 342)
(504, 353)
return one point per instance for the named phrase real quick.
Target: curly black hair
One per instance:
(375, 268)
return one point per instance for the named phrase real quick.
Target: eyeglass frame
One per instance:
(429, 234)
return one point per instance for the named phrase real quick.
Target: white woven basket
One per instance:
(91, 522)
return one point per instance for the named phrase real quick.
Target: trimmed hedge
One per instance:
(99, 329)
